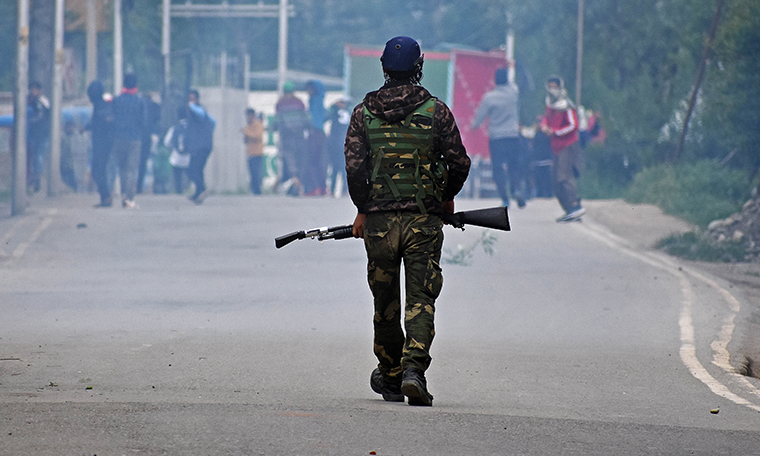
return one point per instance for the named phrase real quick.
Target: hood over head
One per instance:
(394, 102)
(95, 91)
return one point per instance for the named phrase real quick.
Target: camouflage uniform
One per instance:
(397, 230)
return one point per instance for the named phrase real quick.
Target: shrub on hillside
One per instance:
(697, 192)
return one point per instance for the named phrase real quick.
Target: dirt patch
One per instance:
(643, 225)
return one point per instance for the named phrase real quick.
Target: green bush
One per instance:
(697, 192)
(607, 173)
(692, 247)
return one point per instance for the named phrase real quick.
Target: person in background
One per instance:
(316, 165)
(253, 137)
(500, 107)
(130, 121)
(101, 132)
(199, 141)
(179, 159)
(339, 116)
(560, 124)
(38, 135)
(153, 113)
(541, 161)
(292, 124)
(73, 157)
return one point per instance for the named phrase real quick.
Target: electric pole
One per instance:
(18, 199)
(54, 168)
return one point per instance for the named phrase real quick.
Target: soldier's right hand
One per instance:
(359, 222)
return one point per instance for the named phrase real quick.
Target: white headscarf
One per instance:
(556, 97)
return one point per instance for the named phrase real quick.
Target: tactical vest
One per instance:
(404, 166)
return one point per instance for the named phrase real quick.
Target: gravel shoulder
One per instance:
(643, 225)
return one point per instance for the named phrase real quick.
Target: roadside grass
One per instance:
(697, 192)
(691, 246)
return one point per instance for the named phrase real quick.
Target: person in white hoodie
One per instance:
(500, 107)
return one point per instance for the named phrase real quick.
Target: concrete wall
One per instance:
(226, 170)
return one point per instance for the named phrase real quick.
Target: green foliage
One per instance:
(639, 63)
(691, 246)
(731, 93)
(608, 171)
(699, 193)
(8, 28)
(464, 254)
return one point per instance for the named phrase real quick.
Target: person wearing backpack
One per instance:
(199, 140)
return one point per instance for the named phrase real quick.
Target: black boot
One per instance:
(391, 391)
(414, 386)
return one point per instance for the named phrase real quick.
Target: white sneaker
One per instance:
(572, 215)
(129, 204)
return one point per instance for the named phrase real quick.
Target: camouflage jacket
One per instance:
(394, 102)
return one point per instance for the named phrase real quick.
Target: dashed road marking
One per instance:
(18, 252)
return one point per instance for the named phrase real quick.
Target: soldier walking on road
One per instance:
(405, 162)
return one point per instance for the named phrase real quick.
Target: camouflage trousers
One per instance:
(390, 238)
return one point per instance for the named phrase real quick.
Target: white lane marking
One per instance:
(21, 248)
(9, 234)
(688, 350)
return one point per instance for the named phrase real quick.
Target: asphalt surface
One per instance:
(178, 329)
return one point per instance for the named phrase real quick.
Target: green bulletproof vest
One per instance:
(404, 167)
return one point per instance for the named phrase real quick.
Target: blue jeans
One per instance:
(506, 167)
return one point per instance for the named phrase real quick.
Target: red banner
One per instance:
(473, 77)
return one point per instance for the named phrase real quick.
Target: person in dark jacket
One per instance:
(153, 113)
(339, 116)
(101, 131)
(316, 165)
(292, 124)
(199, 140)
(130, 120)
(405, 163)
(38, 134)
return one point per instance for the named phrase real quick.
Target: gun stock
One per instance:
(496, 218)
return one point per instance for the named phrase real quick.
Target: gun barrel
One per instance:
(339, 232)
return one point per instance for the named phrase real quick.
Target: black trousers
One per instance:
(101, 152)
(198, 160)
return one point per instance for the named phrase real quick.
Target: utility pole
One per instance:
(166, 43)
(118, 59)
(579, 56)
(282, 55)
(18, 199)
(510, 49)
(91, 71)
(54, 168)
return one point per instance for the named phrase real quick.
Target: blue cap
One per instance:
(401, 54)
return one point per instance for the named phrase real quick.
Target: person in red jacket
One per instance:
(561, 125)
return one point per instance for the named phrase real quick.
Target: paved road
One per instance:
(181, 330)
